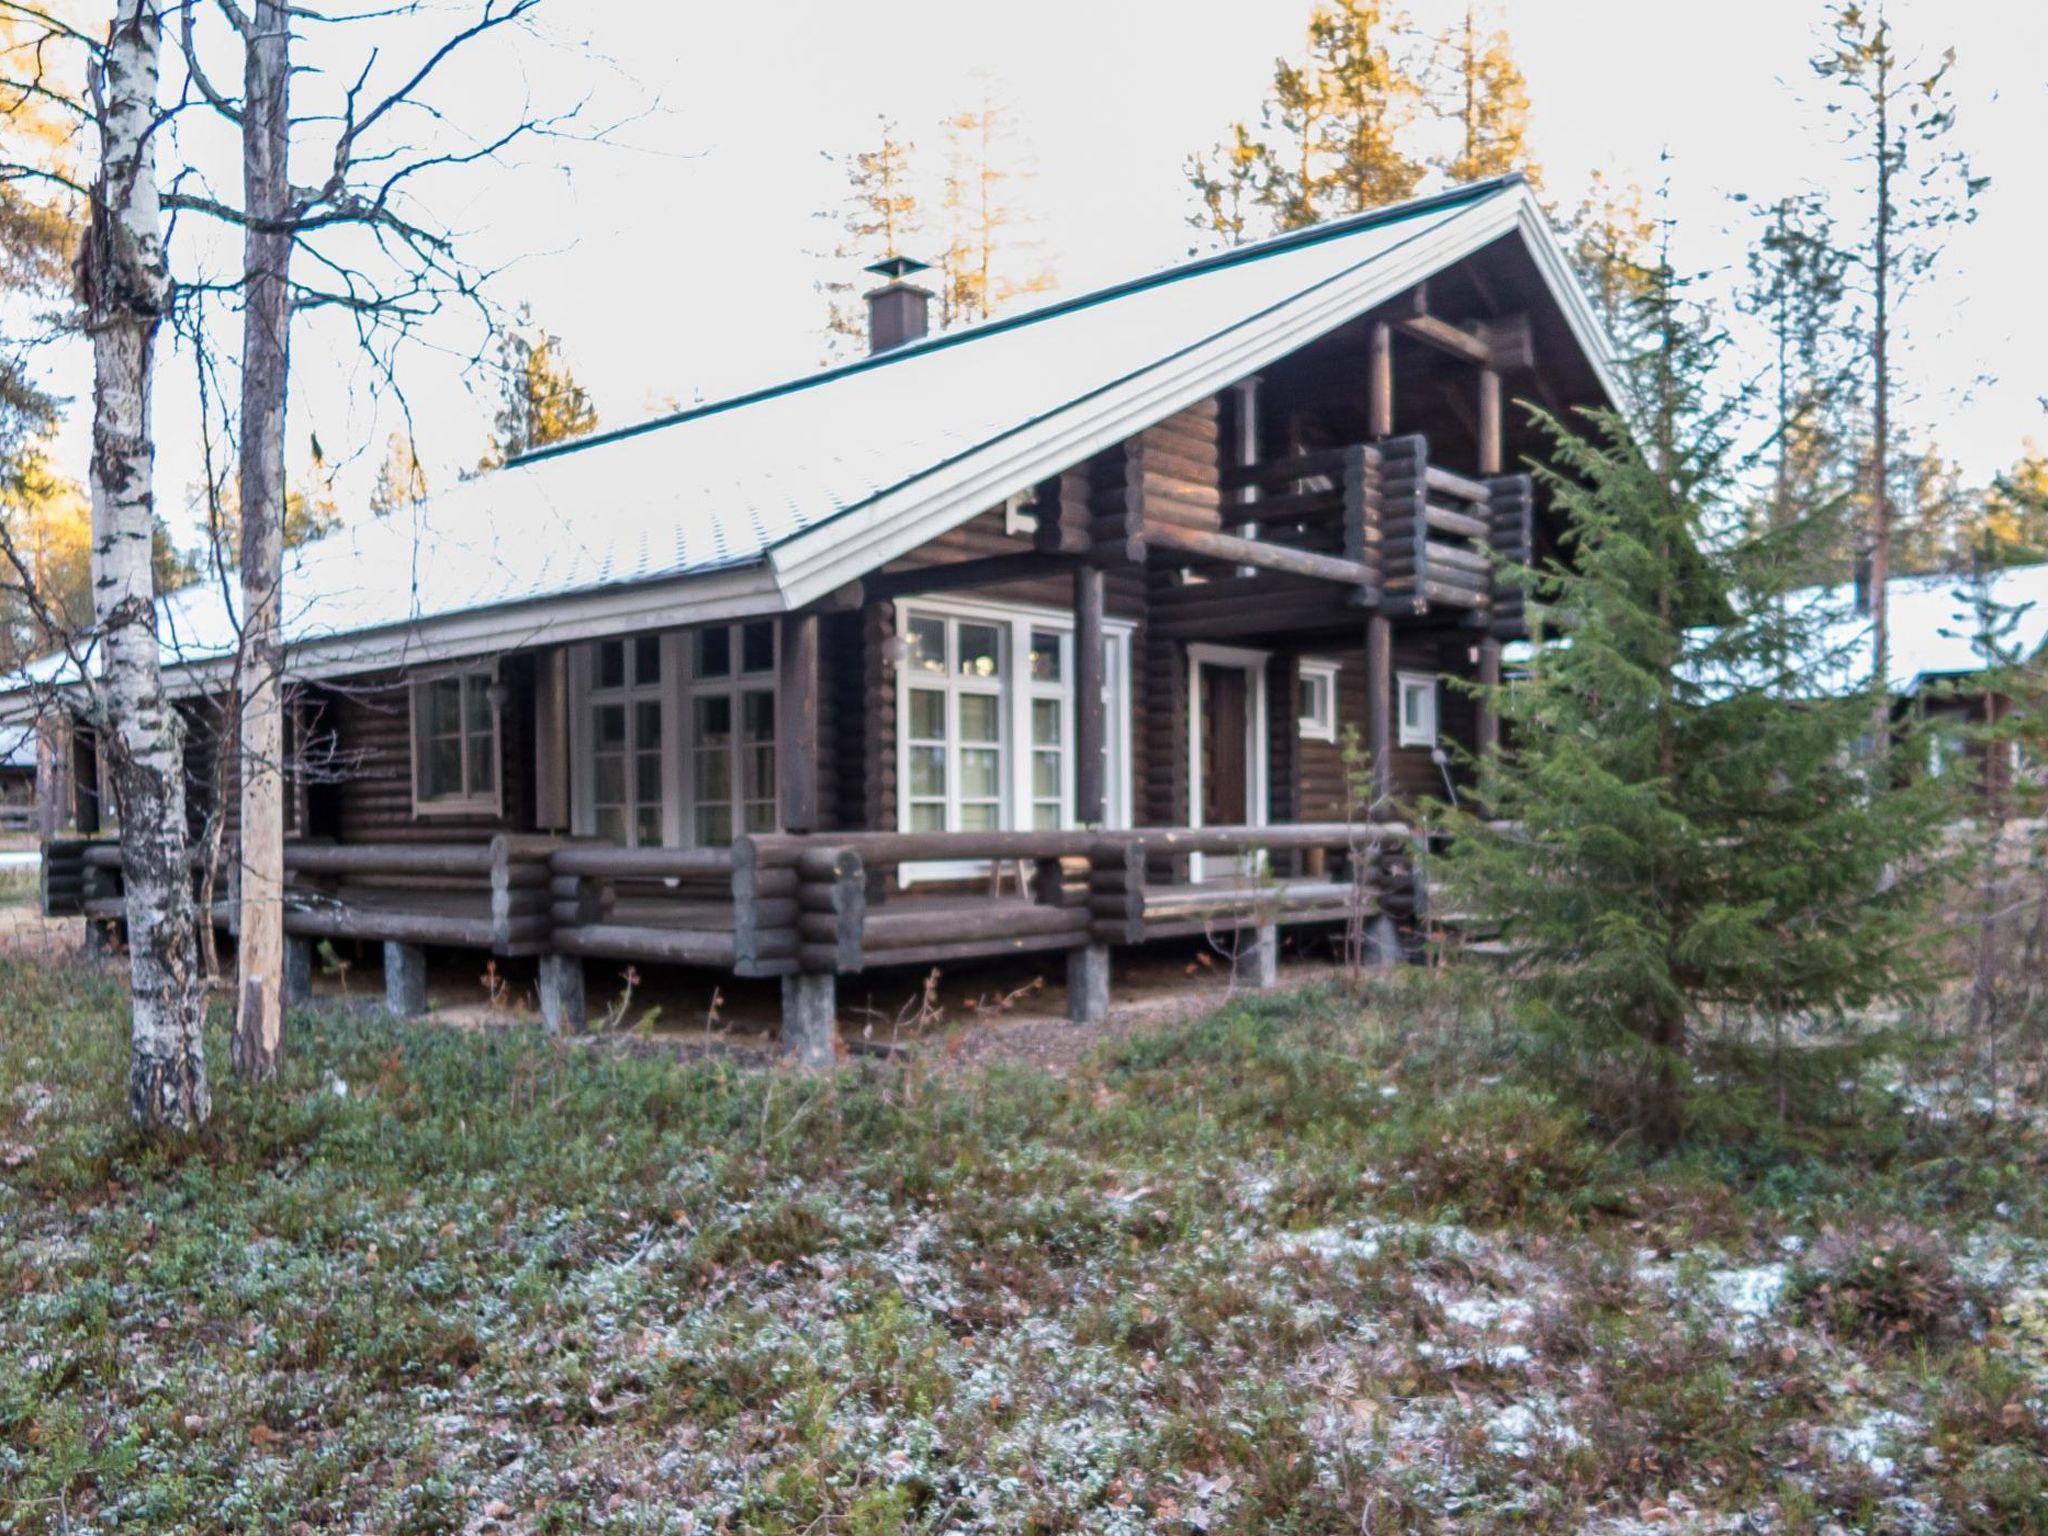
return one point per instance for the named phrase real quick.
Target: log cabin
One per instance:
(1044, 636)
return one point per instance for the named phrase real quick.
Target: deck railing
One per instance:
(773, 905)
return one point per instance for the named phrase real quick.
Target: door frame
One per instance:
(1253, 665)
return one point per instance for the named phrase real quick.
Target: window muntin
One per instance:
(1417, 692)
(953, 724)
(627, 762)
(455, 745)
(731, 712)
(1316, 700)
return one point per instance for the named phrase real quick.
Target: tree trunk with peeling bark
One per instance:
(266, 322)
(125, 286)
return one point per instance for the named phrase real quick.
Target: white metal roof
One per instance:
(1935, 625)
(770, 500)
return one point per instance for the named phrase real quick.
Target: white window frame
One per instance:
(1320, 723)
(462, 803)
(585, 696)
(1416, 731)
(733, 685)
(1017, 691)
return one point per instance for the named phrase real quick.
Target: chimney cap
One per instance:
(897, 268)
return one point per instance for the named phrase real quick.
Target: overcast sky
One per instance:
(678, 260)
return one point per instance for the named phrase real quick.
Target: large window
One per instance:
(985, 712)
(454, 746)
(626, 747)
(731, 700)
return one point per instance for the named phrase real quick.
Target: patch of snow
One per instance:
(1748, 1293)
(1872, 1442)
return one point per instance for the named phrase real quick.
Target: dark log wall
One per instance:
(371, 800)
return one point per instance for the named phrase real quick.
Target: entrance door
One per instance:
(1226, 745)
(1226, 754)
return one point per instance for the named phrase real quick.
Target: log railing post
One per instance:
(796, 724)
(1090, 713)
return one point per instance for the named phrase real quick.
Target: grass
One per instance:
(1295, 1267)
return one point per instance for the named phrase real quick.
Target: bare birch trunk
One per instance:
(125, 285)
(266, 321)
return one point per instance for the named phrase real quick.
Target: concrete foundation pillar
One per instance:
(298, 970)
(405, 980)
(1382, 942)
(102, 942)
(1258, 961)
(562, 1006)
(810, 1018)
(1088, 984)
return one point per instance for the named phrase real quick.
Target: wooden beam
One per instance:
(954, 576)
(1489, 677)
(850, 598)
(1090, 717)
(1379, 383)
(1228, 549)
(796, 724)
(1489, 422)
(1379, 711)
(1448, 338)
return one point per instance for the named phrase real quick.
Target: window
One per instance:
(953, 723)
(626, 752)
(1418, 709)
(731, 702)
(985, 720)
(1318, 701)
(454, 746)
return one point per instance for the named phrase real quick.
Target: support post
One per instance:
(1489, 678)
(563, 1008)
(1379, 384)
(405, 980)
(298, 970)
(1489, 423)
(1379, 698)
(1259, 962)
(1090, 716)
(1088, 984)
(810, 1018)
(796, 726)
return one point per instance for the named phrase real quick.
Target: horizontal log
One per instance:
(820, 956)
(955, 922)
(407, 927)
(961, 575)
(1463, 524)
(1228, 549)
(1293, 507)
(640, 863)
(1456, 486)
(388, 858)
(668, 946)
(1324, 461)
(1447, 338)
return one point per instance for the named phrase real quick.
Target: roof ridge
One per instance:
(1287, 240)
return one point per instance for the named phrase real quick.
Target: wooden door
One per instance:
(1226, 766)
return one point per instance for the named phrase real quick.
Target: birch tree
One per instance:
(125, 290)
(990, 259)
(1479, 88)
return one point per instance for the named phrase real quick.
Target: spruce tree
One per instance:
(1686, 831)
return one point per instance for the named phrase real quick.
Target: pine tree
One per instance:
(401, 482)
(990, 258)
(1229, 190)
(1480, 89)
(1899, 114)
(539, 400)
(1340, 117)
(1685, 832)
(882, 216)
(2012, 520)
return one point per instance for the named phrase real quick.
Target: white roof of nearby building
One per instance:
(771, 500)
(1935, 626)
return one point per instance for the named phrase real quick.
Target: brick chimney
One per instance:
(899, 311)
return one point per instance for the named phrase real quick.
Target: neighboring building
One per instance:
(803, 673)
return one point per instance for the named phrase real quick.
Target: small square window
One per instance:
(757, 647)
(1418, 709)
(1045, 657)
(714, 652)
(611, 664)
(1317, 706)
